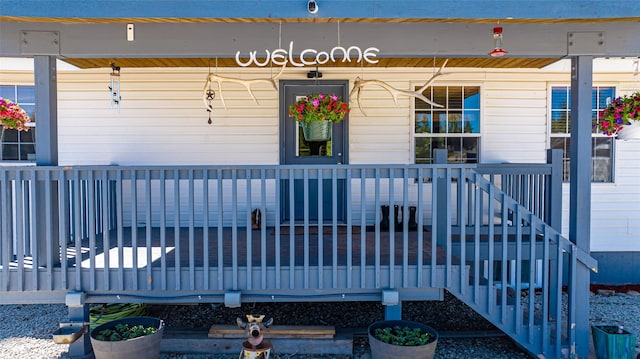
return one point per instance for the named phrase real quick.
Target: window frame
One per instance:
(19, 143)
(478, 136)
(594, 134)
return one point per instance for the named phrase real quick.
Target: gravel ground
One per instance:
(31, 326)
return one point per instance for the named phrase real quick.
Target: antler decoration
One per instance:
(359, 83)
(273, 81)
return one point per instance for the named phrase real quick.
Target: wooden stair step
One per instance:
(275, 331)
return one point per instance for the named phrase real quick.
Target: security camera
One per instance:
(312, 7)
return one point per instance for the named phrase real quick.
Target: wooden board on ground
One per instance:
(276, 331)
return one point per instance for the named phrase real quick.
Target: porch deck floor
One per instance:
(311, 249)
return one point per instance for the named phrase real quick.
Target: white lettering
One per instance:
(291, 56)
(281, 57)
(357, 50)
(306, 51)
(251, 59)
(368, 54)
(319, 58)
(339, 48)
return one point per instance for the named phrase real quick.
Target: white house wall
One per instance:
(162, 121)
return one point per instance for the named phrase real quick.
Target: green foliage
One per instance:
(403, 336)
(124, 332)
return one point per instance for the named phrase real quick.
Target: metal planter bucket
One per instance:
(612, 342)
(317, 130)
(145, 347)
(382, 350)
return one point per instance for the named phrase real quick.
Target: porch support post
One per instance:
(46, 110)
(580, 196)
(46, 155)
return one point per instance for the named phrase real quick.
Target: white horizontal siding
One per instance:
(162, 121)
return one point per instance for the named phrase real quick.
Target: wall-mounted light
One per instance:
(314, 74)
(498, 51)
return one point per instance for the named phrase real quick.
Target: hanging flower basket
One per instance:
(621, 118)
(12, 116)
(317, 113)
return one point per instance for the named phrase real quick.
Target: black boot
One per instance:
(413, 225)
(384, 223)
(398, 217)
(256, 219)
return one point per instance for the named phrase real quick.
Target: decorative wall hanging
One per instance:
(273, 81)
(621, 118)
(114, 86)
(359, 83)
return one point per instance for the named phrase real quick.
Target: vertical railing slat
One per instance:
(192, 241)
(263, 229)
(419, 219)
(392, 234)
(176, 229)
(349, 271)
(405, 228)
(220, 208)
(63, 225)
(504, 283)
(249, 236)
(6, 201)
(377, 271)
(162, 203)
(462, 209)
(320, 239)
(91, 226)
(148, 228)
(234, 229)
(532, 273)
(120, 228)
(205, 230)
(305, 242)
(106, 239)
(490, 242)
(363, 229)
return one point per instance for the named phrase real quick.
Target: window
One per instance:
(19, 145)
(602, 146)
(455, 127)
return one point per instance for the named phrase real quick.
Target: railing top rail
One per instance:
(233, 172)
(515, 168)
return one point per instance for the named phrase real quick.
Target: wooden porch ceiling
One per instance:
(488, 62)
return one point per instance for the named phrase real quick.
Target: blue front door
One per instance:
(295, 150)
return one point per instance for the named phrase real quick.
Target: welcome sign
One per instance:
(310, 57)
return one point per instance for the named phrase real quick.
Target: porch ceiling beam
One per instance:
(530, 9)
(393, 39)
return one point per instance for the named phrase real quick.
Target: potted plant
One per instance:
(394, 339)
(621, 118)
(613, 342)
(12, 117)
(130, 337)
(316, 113)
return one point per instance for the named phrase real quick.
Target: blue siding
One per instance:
(337, 9)
(616, 268)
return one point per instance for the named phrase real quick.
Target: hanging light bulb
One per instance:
(498, 51)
